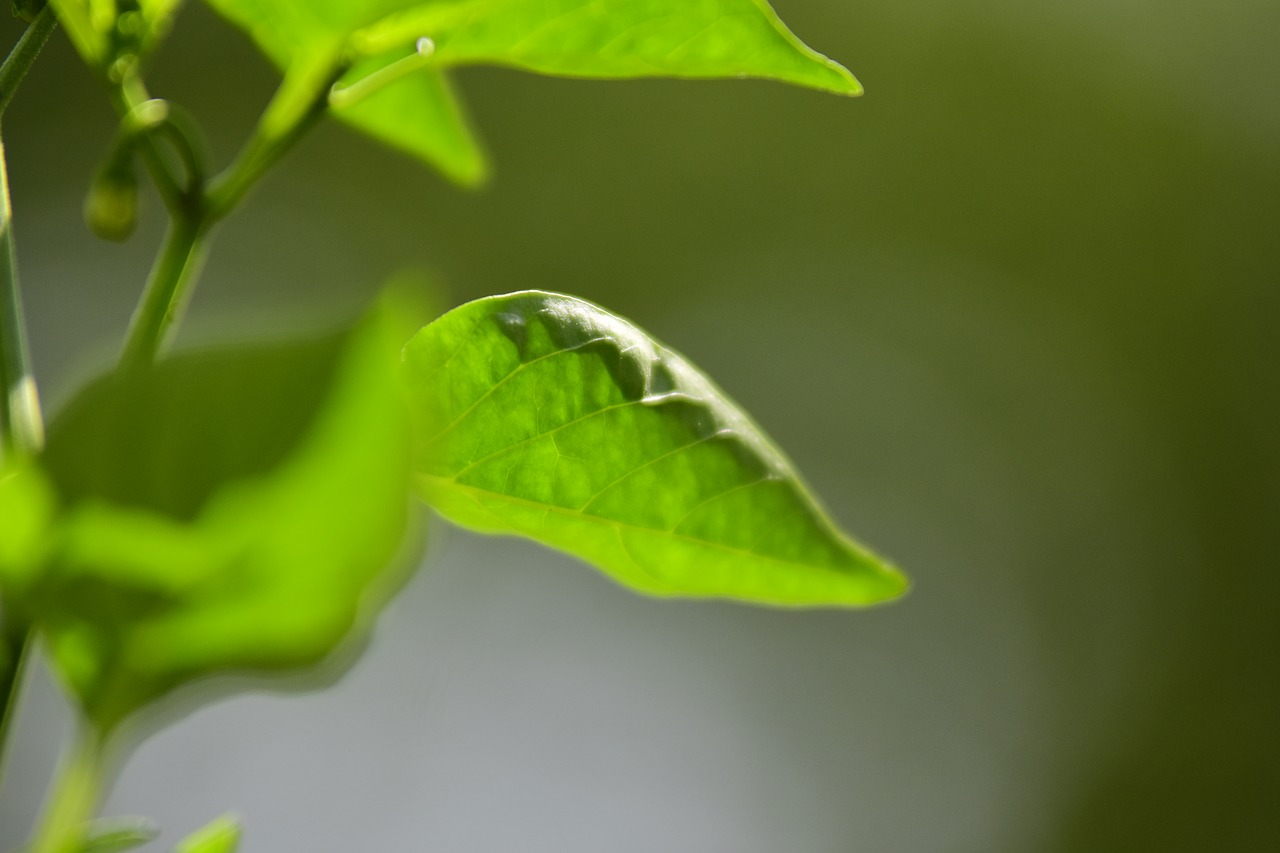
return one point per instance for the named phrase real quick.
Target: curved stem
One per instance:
(74, 797)
(127, 98)
(298, 103)
(167, 291)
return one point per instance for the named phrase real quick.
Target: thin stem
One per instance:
(21, 426)
(24, 53)
(296, 106)
(167, 291)
(75, 796)
(18, 643)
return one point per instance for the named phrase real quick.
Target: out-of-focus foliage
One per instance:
(232, 509)
(27, 505)
(117, 835)
(546, 416)
(106, 33)
(220, 836)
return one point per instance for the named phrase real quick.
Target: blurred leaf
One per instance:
(27, 506)
(545, 416)
(616, 38)
(117, 835)
(104, 33)
(220, 836)
(226, 510)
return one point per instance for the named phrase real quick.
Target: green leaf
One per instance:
(399, 51)
(419, 115)
(116, 835)
(616, 38)
(220, 836)
(416, 114)
(226, 510)
(27, 507)
(545, 416)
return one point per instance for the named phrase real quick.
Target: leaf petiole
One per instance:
(168, 287)
(345, 95)
(296, 106)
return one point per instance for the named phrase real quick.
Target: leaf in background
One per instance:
(545, 416)
(416, 114)
(617, 38)
(220, 836)
(226, 510)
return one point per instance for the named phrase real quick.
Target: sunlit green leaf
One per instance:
(220, 836)
(545, 416)
(617, 38)
(227, 510)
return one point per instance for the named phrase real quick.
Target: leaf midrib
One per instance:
(429, 480)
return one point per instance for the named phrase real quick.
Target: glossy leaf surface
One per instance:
(546, 416)
(227, 510)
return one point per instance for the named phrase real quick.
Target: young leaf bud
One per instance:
(111, 208)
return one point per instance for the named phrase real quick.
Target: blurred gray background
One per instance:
(1013, 312)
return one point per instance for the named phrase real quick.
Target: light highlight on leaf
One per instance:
(545, 416)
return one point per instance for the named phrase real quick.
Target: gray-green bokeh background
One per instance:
(1013, 312)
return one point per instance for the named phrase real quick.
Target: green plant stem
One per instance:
(24, 53)
(21, 426)
(74, 797)
(292, 112)
(126, 98)
(167, 290)
(18, 642)
(194, 211)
